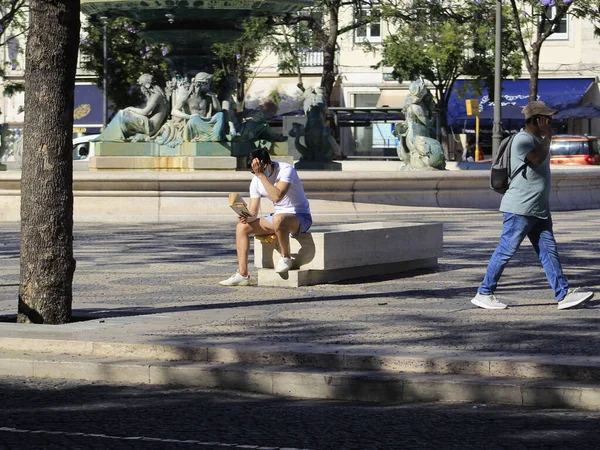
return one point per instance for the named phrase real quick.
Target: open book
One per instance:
(237, 203)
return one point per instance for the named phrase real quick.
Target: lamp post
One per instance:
(497, 128)
(105, 72)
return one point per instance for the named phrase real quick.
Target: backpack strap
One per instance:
(521, 168)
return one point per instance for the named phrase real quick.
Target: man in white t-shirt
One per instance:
(279, 182)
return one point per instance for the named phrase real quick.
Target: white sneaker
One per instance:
(236, 280)
(574, 297)
(284, 265)
(487, 301)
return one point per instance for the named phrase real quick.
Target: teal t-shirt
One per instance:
(529, 191)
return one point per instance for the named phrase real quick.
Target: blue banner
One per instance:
(557, 93)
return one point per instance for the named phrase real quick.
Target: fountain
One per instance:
(144, 139)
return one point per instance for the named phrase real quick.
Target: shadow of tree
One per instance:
(150, 416)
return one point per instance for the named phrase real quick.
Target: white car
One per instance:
(83, 147)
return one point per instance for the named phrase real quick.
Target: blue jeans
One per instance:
(539, 232)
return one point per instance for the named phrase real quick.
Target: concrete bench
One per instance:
(342, 252)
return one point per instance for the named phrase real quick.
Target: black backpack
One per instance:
(500, 175)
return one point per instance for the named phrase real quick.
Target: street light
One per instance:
(104, 20)
(497, 128)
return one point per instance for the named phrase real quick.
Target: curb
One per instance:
(312, 383)
(310, 375)
(577, 369)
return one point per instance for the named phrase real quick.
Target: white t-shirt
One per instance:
(295, 201)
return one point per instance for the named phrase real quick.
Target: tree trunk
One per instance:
(329, 49)
(534, 72)
(47, 264)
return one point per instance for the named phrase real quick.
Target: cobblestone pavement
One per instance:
(159, 284)
(61, 414)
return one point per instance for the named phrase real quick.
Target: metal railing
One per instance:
(315, 59)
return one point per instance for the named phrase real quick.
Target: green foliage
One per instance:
(13, 24)
(236, 58)
(536, 20)
(129, 56)
(441, 44)
(290, 41)
(317, 28)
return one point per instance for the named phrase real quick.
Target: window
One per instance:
(363, 135)
(370, 32)
(562, 28)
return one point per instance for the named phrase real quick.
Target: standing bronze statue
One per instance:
(416, 148)
(319, 144)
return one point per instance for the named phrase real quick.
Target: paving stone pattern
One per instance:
(159, 284)
(62, 414)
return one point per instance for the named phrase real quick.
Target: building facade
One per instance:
(569, 75)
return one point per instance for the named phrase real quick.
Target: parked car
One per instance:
(575, 149)
(83, 148)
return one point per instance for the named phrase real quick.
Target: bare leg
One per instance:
(242, 240)
(285, 224)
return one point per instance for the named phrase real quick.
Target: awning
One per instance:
(392, 98)
(89, 106)
(589, 111)
(557, 93)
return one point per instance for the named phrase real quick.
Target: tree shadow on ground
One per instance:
(61, 415)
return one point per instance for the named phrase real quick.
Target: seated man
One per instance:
(279, 182)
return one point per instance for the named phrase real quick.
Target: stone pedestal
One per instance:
(189, 156)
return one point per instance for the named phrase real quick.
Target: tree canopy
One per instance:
(13, 24)
(318, 28)
(441, 44)
(236, 58)
(536, 20)
(129, 56)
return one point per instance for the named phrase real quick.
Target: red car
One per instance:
(575, 149)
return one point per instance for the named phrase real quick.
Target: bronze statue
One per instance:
(415, 146)
(139, 124)
(255, 128)
(201, 108)
(319, 144)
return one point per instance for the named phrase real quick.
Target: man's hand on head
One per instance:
(544, 124)
(258, 167)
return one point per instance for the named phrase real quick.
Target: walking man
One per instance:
(279, 182)
(525, 207)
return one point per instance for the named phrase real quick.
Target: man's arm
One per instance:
(275, 192)
(540, 152)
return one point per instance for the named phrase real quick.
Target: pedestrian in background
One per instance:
(469, 152)
(526, 210)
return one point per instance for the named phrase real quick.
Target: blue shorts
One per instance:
(305, 222)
